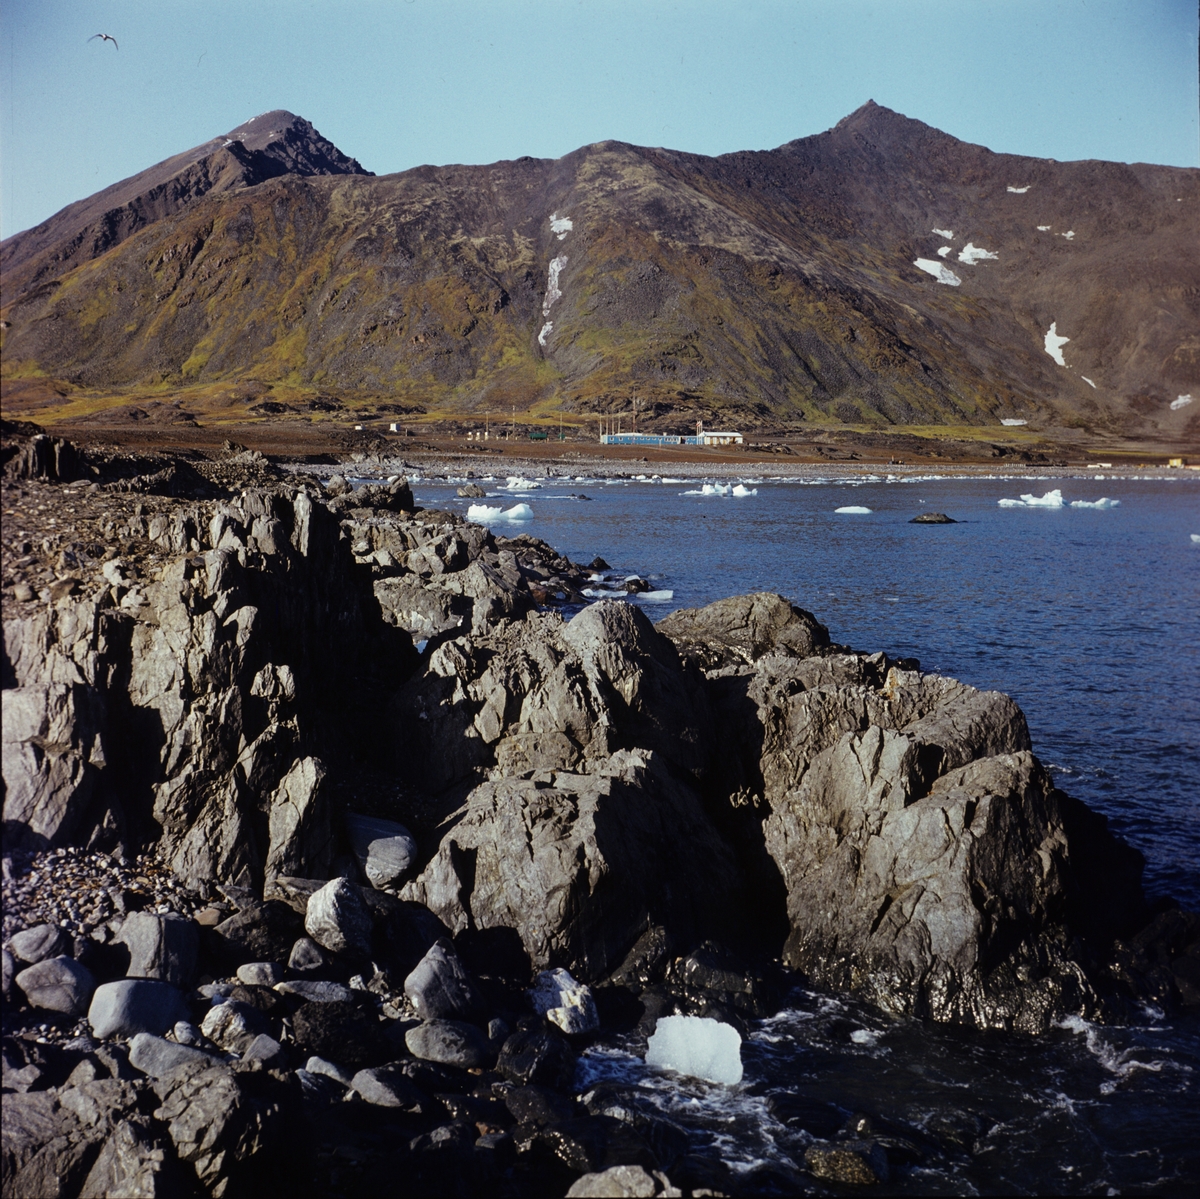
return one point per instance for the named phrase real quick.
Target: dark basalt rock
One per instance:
(539, 1057)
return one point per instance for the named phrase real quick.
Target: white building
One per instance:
(716, 437)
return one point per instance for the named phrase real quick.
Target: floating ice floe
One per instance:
(1087, 381)
(711, 489)
(516, 483)
(1054, 343)
(697, 1046)
(945, 250)
(1103, 502)
(741, 491)
(1180, 402)
(1195, 538)
(1012, 420)
(1018, 191)
(939, 270)
(972, 254)
(1052, 499)
(560, 225)
(483, 514)
(1043, 228)
(854, 510)
(948, 234)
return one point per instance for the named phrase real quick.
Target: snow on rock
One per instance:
(482, 514)
(697, 1046)
(1180, 402)
(1043, 228)
(1012, 420)
(945, 250)
(854, 510)
(939, 270)
(1054, 343)
(565, 1002)
(1069, 235)
(948, 234)
(1102, 502)
(973, 254)
(546, 330)
(560, 225)
(1018, 191)
(1052, 499)
(553, 291)
(1087, 380)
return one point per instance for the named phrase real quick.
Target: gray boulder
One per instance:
(440, 987)
(130, 1006)
(40, 942)
(58, 985)
(389, 1086)
(158, 1057)
(385, 850)
(450, 1043)
(307, 957)
(313, 990)
(161, 947)
(260, 974)
(338, 918)
(319, 1065)
(9, 966)
(233, 1025)
(299, 825)
(268, 1051)
(620, 1182)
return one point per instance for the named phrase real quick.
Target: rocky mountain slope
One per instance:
(881, 274)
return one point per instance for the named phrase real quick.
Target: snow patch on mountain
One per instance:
(1018, 191)
(939, 270)
(973, 254)
(1054, 343)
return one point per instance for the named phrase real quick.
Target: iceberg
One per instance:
(516, 483)
(482, 514)
(741, 491)
(1052, 499)
(854, 510)
(697, 1046)
(1102, 502)
(711, 489)
(655, 597)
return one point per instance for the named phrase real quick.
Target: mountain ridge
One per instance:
(777, 286)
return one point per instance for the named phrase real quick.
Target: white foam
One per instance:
(1043, 228)
(854, 510)
(740, 491)
(1180, 402)
(1054, 343)
(1012, 420)
(972, 254)
(1103, 502)
(516, 483)
(483, 514)
(1117, 1062)
(939, 270)
(1018, 191)
(560, 225)
(697, 1046)
(547, 329)
(948, 234)
(945, 250)
(1087, 381)
(553, 291)
(1052, 499)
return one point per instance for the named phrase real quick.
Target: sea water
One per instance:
(1088, 617)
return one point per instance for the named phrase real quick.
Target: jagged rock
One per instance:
(318, 1065)
(307, 957)
(268, 1051)
(933, 518)
(40, 942)
(133, 1161)
(538, 1106)
(161, 947)
(539, 1057)
(601, 863)
(259, 932)
(58, 984)
(233, 1025)
(338, 918)
(260, 974)
(313, 990)
(299, 825)
(158, 1057)
(440, 987)
(471, 491)
(621, 1182)
(565, 1002)
(450, 1043)
(744, 628)
(385, 850)
(122, 1009)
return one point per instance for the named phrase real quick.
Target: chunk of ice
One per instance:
(1102, 502)
(697, 1046)
(1054, 343)
(854, 510)
(482, 514)
(655, 597)
(1180, 402)
(516, 483)
(711, 489)
(939, 270)
(553, 291)
(1052, 499)
(972, 254)
(740, 491)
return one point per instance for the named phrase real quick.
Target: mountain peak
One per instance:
(294, 143)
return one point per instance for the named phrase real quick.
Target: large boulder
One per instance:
(58, 984)
(161, 947)
(440, 988)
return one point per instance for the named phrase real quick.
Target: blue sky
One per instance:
(398, 83)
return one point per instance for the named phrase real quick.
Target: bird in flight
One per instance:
(105, 37)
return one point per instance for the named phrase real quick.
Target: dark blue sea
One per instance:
(1089, 617)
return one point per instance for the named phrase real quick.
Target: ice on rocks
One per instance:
(565, 1002)
(697, 1046)
(1087, 381)
(939, 270)
(944, 250)
(560, 225)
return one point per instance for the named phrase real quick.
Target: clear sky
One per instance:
(397, 83)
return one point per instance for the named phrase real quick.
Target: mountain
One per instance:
(879, 275)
